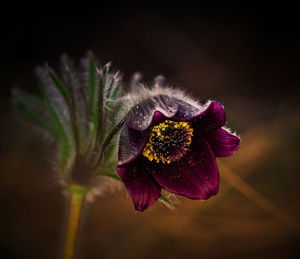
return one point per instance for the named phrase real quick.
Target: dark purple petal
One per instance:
(212, 118)
(140, 116)
(131, 144)
(142, 188)
(157, 118)
(187, 111)
(195, 175)
(222, 142)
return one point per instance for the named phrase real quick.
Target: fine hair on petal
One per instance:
(138, 94)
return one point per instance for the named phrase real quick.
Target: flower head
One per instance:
(171, 141)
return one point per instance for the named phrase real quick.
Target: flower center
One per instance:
(168, 141)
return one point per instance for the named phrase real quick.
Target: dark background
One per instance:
(245, 56)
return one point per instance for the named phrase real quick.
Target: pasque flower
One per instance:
(171, 141)
(167, 140)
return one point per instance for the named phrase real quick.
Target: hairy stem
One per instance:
(77, 193)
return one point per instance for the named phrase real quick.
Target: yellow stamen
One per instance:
(163, 138)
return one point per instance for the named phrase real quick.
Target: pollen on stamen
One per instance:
(168, 141)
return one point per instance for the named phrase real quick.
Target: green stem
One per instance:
(77, 193)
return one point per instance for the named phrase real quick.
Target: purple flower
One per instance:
(170, 141)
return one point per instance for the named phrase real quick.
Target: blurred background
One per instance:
(246, 57)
